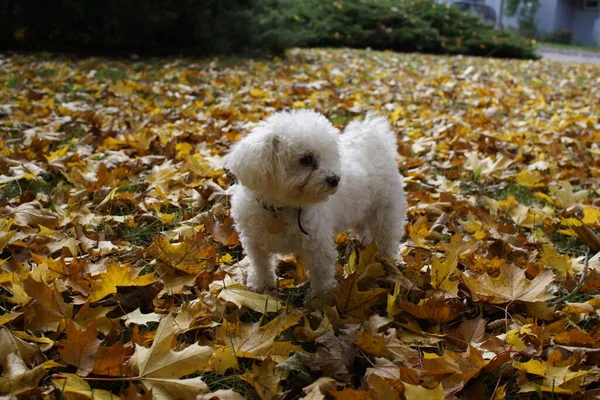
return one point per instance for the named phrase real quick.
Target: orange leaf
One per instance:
(574, 338)
(371, 344)
(434, 308)
(110, 361)
(80, 348)
(48, 311)
(351, 394)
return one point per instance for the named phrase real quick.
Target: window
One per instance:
(591, 5)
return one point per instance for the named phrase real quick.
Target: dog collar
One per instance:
(268, 207)
(300, 223)
(274, 209)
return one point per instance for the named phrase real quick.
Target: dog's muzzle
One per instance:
(332, 181)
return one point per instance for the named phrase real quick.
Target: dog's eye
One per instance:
(307, 160)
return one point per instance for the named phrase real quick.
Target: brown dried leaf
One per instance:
(266, 379)
(80, 347)
(510, 285)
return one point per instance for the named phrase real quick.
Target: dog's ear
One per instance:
(253, 160)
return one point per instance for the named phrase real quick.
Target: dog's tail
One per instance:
(377, 125)
(375, 133)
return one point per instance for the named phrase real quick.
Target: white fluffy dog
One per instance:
(301, 182)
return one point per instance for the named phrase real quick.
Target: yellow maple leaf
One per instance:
(161, 367)
(545, 197)
(164, 217)
(48, 269)
(553, 376)
(419, 232)
(121, 88)
(471, 224)
(111, 143)
(236, 293)
(164, 176)
(183, 149)
(417, 392)
(192, 256)
(226, 259)
(397, 114)
(222, 359)
(441, 272)
(392, 308)
(513, 339)
(5, 232)
(523, 215)
(529, 178)
(258, 93)
(591, 216)
(88, 315)
(350, 300)
(559, 262)
(13, 283)
(57, 154)
(487, 166)
(74, 387)
(161, 360)
(9, 316)
(570, 221)
(460, 247)
(259, 342)
(118, 275)
(508, 203)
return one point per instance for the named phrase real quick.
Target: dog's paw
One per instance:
(261, 283)
(322, 288)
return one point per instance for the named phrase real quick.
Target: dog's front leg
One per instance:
(320, 261)
(261, 276)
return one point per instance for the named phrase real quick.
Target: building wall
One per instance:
(507, 22)
(495, 4)
(545, 18)
(564, 14)
(582, 25)
(553, 15)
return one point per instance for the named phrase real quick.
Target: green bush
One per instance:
(401, 25)
(250, 26)
(564, 36)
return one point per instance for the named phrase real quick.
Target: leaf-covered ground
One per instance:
(121, 274)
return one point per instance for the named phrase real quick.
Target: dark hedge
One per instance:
(145, 26)
(205, 27)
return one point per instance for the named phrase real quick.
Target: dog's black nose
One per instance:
(333, 180)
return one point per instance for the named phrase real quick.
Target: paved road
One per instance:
(568, 55)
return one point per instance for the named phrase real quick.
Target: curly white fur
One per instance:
(274, 179)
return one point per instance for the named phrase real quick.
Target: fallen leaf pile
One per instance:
(122, 277)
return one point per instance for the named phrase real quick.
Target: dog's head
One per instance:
(292, 159)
